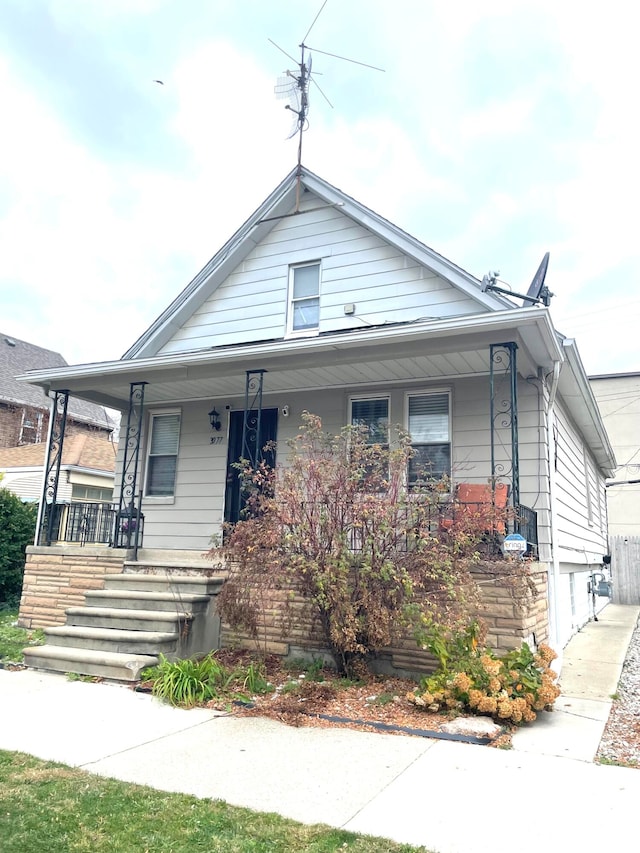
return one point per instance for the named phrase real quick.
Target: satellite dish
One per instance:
(537, 294)
(537, 291)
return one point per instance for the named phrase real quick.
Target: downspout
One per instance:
(554, 576)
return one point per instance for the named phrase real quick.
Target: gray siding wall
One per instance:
(356, 267)
(196, 512)
(580, 501)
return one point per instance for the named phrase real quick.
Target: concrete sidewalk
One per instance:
(449, 797)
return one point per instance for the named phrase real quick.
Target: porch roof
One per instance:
(427, 349)
(390, 353)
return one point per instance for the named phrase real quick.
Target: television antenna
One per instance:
(538, 293)
(294, 86)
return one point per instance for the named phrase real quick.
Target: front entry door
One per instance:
(234, 499)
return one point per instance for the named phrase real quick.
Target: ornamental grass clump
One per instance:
(512, 688)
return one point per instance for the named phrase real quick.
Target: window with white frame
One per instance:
(429, 425)
(162, 454)
(30, 427)
(371, 414)
(304, 298)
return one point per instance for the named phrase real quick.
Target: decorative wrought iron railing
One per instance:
(525, 523)
(490, 524)
(91, 523)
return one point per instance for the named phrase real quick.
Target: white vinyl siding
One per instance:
(195, 514)
(162, 455)
(581, 529)
(358, 267)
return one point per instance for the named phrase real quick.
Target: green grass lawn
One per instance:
(13, 639)
(50, 808)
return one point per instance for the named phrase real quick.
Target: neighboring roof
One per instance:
(79, 451)
(17, 357)
(279, 204)
(628, 375)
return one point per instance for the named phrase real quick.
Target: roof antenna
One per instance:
(294, 86)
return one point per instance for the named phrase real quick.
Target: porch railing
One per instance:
(489, 523)
(90, 523)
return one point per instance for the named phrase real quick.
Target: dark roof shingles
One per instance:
(18, 357)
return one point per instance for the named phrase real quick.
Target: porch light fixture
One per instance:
(214, 420)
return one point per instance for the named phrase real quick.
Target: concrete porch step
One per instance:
(112, 639)
(129, 620)
(113, 665)
(133, 599)
(164, 582)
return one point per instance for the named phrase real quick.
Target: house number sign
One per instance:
(216, 439)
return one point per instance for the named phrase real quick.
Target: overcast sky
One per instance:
(498, 131)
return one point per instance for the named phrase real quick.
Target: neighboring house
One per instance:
(322, 305)
(618, 396)
(24, 409)
(87, 468)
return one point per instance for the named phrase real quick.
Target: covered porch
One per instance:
(228, 401)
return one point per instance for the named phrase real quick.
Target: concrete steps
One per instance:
(119, 640)
(111, 665)
(128, 599)
(124, 627)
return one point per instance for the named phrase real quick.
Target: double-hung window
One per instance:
(371, 414)
(304, 301)
(429, 425)
(162, 455)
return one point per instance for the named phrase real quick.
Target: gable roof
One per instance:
(79, 451)
(281, 204)
(17, 357)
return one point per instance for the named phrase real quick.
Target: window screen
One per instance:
(374, 416)
(305, 297)
(430, 436)
(163, 454)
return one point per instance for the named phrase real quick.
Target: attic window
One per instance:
(304, 298)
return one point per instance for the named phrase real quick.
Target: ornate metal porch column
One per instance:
(47, 513)
(503, 376)
(129, 518)
(251, 432)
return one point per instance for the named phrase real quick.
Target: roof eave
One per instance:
(584, 408)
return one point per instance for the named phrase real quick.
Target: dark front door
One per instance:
(234, 499)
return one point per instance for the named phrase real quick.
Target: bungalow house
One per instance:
(317, 303)
(85, 483)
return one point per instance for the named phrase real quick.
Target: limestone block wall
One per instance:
(514, 609)
(57, 577)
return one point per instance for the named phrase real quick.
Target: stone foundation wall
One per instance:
(514, 609)
(57, 577)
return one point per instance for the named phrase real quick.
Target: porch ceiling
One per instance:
(417, 351)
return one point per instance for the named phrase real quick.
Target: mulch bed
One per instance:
(304, 699)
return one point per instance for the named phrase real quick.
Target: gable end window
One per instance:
(162, 455)
(304, 298)
(429, 425)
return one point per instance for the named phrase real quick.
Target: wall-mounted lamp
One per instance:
(214, 420)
